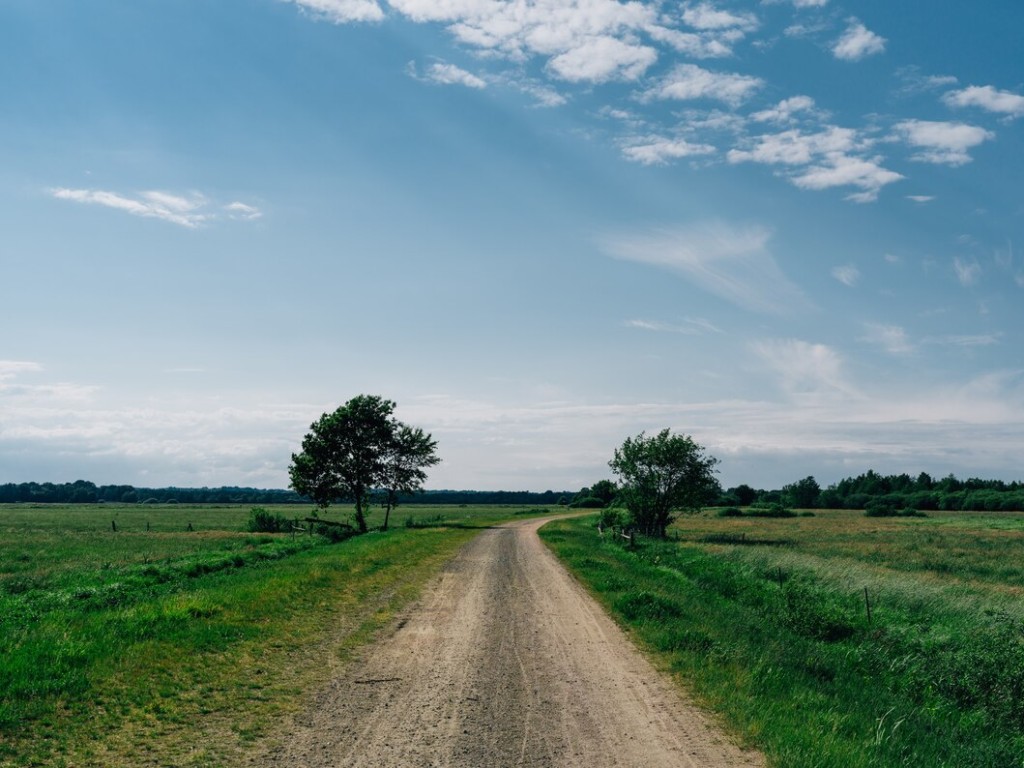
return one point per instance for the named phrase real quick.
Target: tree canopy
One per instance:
(358, 448)
(663, 474)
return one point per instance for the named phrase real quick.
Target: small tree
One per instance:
(411, 451)
(662, 474)
(803, 494)
(343, 455)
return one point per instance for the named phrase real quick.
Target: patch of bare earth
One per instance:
(505, 661)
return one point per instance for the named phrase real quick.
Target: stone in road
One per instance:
(505, 661)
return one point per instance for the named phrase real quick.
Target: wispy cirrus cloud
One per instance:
(846, 274)
(805, 369)
(967, 271)
(892, 338)
(689, 327)
(9, 368)
(190, 210)
(443, 73)
(857, 42)
(966, 340)
(732, 262)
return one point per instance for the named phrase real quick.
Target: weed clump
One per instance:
(264, 521)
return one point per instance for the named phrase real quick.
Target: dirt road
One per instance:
(505, 661)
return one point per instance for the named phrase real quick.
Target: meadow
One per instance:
(170, 635)
(834, 640)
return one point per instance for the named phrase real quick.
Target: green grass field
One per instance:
(159, 645)
(766, 622)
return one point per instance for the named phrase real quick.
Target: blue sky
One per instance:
(792, 229)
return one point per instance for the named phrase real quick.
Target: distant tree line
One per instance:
(901, 491)
(85, 492)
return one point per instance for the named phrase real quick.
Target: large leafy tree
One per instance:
(661, 475)
(344, 455)
(411, 451)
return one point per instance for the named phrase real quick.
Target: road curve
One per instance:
(505, 661)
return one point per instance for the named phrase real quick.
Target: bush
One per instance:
(611, 517)
(263, 521)
(730, 512)
(773, 509)
(335, 532)
(587, 502)
(881, 509)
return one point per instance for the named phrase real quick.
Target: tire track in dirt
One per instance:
(505, 661)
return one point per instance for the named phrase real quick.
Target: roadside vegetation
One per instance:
(833, 640)
(171, 635)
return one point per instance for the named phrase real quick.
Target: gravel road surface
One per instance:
(505, 661)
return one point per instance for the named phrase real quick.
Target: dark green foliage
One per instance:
(881, 508)
(587, 502)
(263, 521)
(358, 448)
(803, 494)
(923, 493)
(769, 510)
(730, 512)
(407, 455)
(817, 614)
(663, 474)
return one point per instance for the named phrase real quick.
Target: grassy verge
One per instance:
(767, 623)
(157, 645)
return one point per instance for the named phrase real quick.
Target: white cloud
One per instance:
(942, 142)
(825, 158)
(601, 59)
(690, 327)
(857, 42)
(785, 111)
(731, 262)
(544, 95)
(158, 205)
(988, 98)
(968, 340)
(658, 150)
(892, 338)
(705, 16)
(804, 368)
(11, 368)
(921, 198)
(842, 171)
(967, 272)
(688, 81)
(443, 73)
(343, 11)
(696, 45)
(238, 210)
(810, 3)
(187, 211)
(794, 147)
(847, 274)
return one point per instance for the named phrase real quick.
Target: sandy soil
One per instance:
(505, 661)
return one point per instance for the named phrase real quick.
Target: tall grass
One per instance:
(778, 639)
